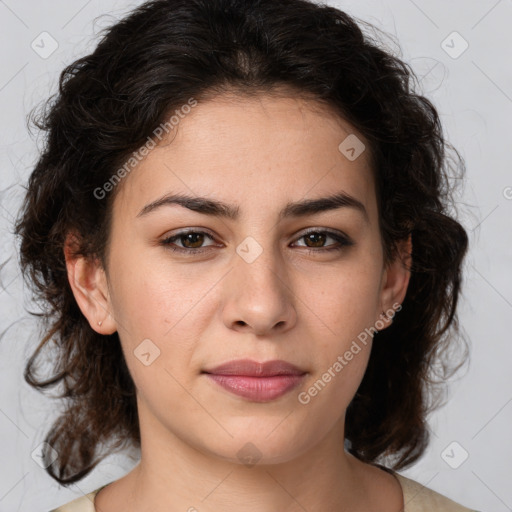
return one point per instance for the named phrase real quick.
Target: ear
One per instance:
(395, 281)
(88, 282)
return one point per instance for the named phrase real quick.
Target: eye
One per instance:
(315, 238)
(192, 241)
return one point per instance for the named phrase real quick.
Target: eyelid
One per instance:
(329, 231)
(186, 231)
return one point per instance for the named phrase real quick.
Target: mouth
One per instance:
(250, 368)
(257, 382)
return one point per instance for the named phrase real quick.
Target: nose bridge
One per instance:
(259, 258)
(261, 262)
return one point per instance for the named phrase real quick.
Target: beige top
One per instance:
(417, 498)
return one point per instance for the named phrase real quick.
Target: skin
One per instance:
(202, 310)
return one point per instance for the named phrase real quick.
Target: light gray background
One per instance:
(473, 93)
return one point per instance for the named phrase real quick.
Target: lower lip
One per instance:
(258, 389)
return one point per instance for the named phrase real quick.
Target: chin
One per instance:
(264, 447)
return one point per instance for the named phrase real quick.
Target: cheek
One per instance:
(346, 299)
(161, 310)
(339, 347)
(150, 298)
(341, 311)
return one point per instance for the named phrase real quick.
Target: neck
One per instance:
(174, 475)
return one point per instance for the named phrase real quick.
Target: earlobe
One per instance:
(88, 282)
(396, 279)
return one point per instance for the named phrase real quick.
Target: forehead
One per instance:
(253, 151)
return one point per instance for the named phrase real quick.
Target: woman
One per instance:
(240, 225)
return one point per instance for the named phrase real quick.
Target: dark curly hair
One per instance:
(145, 66)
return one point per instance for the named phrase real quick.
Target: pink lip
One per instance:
(251, 368)
(260, 382)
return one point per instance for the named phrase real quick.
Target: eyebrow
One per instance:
(217, 208)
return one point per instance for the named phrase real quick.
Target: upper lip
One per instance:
(252, 368)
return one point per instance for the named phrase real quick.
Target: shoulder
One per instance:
(82, 504)
(418, 498)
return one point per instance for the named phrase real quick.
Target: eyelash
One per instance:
(342, 240)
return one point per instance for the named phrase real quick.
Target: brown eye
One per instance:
(316, 239)
(192, 242)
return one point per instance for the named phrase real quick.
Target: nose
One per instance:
(259, 296)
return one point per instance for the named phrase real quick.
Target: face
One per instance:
(261, 280)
